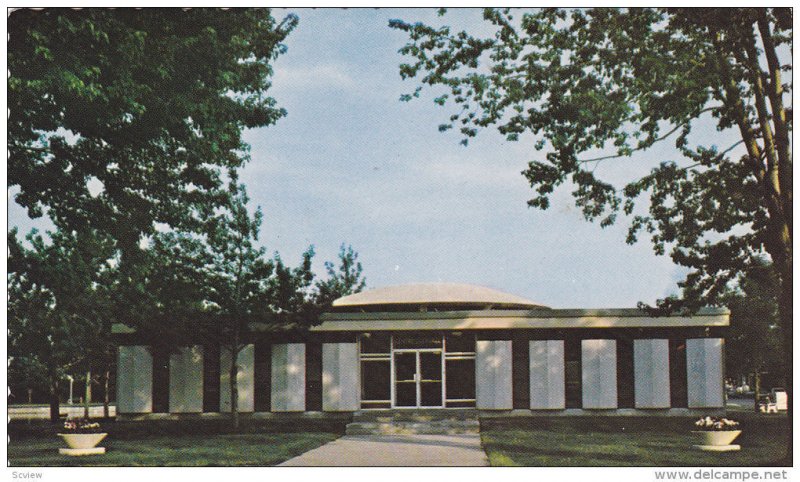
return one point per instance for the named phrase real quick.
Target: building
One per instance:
(444, 346)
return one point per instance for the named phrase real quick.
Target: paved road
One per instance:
(396, 451)
(40, 412)
(740, 404)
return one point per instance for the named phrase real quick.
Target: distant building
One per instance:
(444, 346)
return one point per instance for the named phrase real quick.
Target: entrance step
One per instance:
(406, 422)
(418, 415)
(409, 428)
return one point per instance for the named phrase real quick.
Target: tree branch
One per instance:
(641, 148)
(719, 156)
(33, 149)
(733, 102)
(775, 92)
(750, 59)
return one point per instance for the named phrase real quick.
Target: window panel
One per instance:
(462, 343)
(422, 340)
(460, 379)
(431, 394)
(375, 379)
(431, 366)
(405, 366)
(375, 343)
(406, 394)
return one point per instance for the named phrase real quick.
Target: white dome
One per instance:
(436, 294)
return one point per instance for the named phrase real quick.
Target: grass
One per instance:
(183, 444)
(624, 441)
(536, 441)
(185, 451)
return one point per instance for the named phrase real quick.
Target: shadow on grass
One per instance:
(624, 441)
(188, 451)
(175, 443)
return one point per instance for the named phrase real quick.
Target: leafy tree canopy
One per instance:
(754, 341)
(342, 280)
(586, 82)
(120, 118)
(58, 305)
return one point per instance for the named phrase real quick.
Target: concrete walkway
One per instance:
(463, 450)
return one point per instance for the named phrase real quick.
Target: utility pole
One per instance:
(87, 399)
(69, 377)
(757, 389)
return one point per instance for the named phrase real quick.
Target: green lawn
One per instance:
(177, 443)
(182, 450)
(624, 441)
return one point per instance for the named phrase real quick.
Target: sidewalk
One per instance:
(463, 450)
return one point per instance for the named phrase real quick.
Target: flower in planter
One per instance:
(716, 424)
(81, 425)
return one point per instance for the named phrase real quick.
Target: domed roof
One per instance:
(442, 294)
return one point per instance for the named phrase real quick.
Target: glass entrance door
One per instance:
(430, 379)
(405, 379)
(418, 378)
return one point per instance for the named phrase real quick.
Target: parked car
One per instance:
(780, 398)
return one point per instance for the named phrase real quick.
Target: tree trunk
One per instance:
(106, 413)
(55, 416)
(757, 389)
(234, 374)
(87, 399)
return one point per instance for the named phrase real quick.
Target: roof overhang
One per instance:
(424, 294)
(510, 319)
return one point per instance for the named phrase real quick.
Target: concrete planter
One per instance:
(82, 443)
(716, 440)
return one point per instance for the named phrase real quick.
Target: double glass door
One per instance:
(418, 378)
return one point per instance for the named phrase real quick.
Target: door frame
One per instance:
(417, 377)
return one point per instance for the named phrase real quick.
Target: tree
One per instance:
(58, 304)
(26, 374)
(237, 274)
(346, 281)
(123, 118)
(591, 85)
(221, 284)
(753, 345)
(291, 293)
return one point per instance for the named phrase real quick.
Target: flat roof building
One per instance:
(443, 345)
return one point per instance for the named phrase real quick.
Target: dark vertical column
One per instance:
(262, 376)
(573, 377)
(211, 374)
(625, 375)
(314, 376)
(677, 374)
(160, 380)
(520, 375)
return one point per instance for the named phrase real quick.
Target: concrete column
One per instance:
(547, 374)
(599, 373)
(340, 384)
(245, 380)
(704, 372)
(186, 380)
(493, 377)
(134, 379)
(651, 373)
(288, 392)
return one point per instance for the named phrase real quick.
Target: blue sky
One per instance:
(352, 164)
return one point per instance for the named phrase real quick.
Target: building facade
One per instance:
(443, 346)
